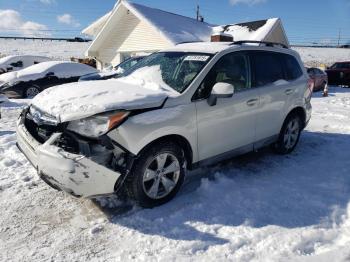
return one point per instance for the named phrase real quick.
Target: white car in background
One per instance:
(19, 62)
(32, 80)
(192, 105)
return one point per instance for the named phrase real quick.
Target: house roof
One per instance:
(95, 27)
(256, 30)
(176, 28)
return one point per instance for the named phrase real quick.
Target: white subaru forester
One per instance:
(192, 105)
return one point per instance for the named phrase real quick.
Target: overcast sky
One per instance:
(305, 21)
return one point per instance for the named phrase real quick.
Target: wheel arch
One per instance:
(180, 141)
(300, 111)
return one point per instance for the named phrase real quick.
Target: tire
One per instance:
(289, 135)
(149, 183)
(31, 92)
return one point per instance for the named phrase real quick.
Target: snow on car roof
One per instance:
(42, 67)
(7, 58)
(201, 47)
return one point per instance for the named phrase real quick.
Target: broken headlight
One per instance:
(98, 125)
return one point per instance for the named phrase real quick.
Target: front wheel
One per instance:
(31, 92)
(289, 135)
(157, 175)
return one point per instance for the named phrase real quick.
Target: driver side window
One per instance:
(232, 68)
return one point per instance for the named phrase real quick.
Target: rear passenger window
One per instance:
(267, 68)
(293, 70)
(17, 64)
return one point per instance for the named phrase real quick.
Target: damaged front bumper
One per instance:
(73, 173)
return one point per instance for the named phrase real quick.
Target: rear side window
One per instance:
(17, 64)
(267, 68)
(292, 67)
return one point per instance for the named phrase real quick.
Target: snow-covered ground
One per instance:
(258, 207)
(313, 56)
(53, 49)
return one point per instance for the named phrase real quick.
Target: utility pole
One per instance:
(197, 12)
(339, 37)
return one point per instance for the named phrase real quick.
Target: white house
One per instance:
(131, 29)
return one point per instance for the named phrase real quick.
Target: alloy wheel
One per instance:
(161, 176)
(291, 134)
(32, 92)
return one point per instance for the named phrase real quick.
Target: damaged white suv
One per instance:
(195, 104)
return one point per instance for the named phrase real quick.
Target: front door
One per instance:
(230, 124)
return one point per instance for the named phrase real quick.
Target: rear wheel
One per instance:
(31, 92)
(289, 135)
(157, 175)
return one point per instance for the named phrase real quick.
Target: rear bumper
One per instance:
(74, 174)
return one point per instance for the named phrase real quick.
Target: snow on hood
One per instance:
(4, 60)
(8, 77)
(83, 99)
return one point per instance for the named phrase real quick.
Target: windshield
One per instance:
(340, 66)
(167, 69)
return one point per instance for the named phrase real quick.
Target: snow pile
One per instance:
(149, 77)
(244, 33)
(78, 100)
(258, 207)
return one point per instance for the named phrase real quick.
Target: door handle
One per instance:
(289, 91)
(252, 102)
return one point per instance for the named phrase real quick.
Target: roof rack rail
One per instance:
(272, 44)
(189, 42)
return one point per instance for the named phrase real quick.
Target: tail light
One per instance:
(310, 84)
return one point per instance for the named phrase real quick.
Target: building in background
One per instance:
(133, 29)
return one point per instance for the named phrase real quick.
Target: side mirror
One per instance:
(50, 74)
(220, 90)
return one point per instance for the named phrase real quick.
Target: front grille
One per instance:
(41, 133)
(69, 143)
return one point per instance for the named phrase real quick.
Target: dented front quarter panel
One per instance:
(74, 174)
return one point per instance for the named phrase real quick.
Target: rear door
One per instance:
(277, 89)
(230, 124)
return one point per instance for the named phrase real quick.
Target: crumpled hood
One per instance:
(83, 99)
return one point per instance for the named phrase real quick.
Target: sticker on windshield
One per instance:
(201, 58)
